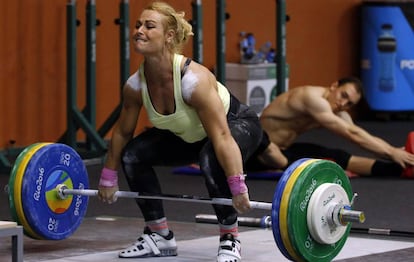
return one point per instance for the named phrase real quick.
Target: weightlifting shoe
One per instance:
(229, 249)
(408, 172)
(151, 244)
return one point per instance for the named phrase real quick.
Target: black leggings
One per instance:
(297, 151)
(302, 150)
(155, 147)
(341, 157)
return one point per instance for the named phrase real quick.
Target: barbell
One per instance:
(311, 210)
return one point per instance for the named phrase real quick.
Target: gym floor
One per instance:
(108, 228)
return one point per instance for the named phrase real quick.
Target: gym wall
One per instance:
(322, 45)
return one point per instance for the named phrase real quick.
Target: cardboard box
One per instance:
(253, 84)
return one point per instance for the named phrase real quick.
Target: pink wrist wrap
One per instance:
(237, 184)
(109, 178)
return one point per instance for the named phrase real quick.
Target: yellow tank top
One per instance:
(184, 122)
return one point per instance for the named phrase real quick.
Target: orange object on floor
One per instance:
(409, 147)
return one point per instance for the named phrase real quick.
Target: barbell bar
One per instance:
(311, 210)
(339, 215)
(63, 193)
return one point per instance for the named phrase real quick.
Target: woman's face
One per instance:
(149, 35)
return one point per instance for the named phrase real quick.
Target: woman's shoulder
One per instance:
(133, 81)
(199, 71)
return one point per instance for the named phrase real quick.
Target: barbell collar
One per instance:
(342, 215)
(348, 216)
(63, 192)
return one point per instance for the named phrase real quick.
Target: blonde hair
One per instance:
(173, 21)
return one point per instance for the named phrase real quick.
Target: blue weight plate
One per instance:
(48, 215)
(276, 205)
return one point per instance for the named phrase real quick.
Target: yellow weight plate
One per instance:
(18, 189)
(12, 181)
(284, 231)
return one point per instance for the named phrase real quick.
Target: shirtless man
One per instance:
(308, 107)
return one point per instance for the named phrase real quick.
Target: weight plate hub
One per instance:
(326, 198)
(47, 214)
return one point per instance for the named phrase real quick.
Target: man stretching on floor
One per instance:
(308, 107)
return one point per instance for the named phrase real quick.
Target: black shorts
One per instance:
(253, 163)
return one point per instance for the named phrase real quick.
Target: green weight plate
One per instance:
(284, 209)
(11, 182)
(18, 190)
(310, 178)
